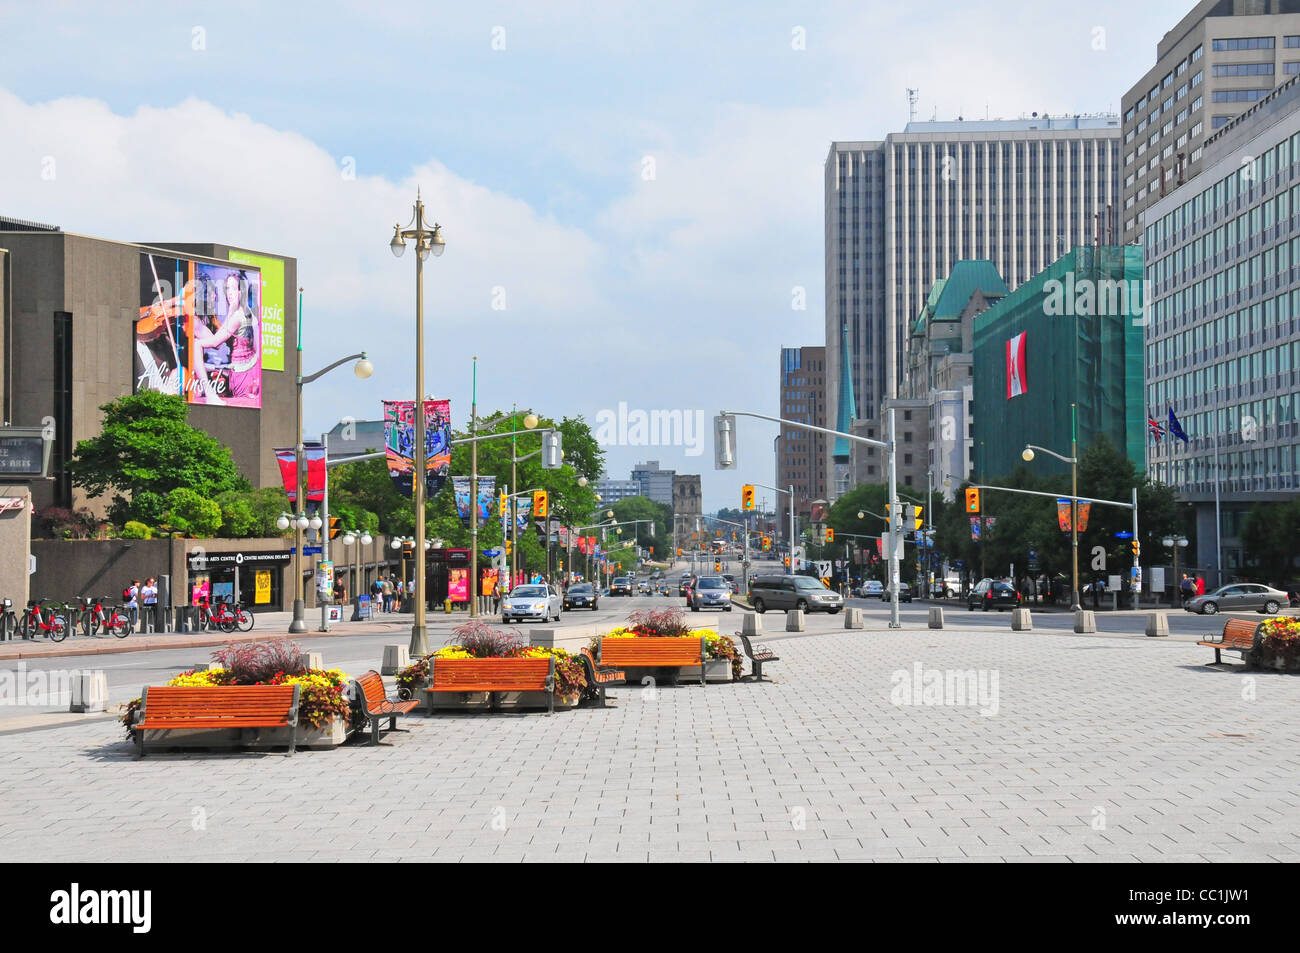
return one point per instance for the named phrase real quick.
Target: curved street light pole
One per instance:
(1073, 461)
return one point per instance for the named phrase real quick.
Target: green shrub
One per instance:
(134, 529)
(192, 514)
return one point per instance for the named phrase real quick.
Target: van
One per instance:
(793, 592)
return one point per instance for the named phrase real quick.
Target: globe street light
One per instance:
(1073, 460)
(1176, 543)
(426, 241)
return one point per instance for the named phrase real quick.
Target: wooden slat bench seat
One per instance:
(165, 708)
(377, 706)
(757, 658)
(655, 652)
(494, 675)
(1238, 636)
(601, 676)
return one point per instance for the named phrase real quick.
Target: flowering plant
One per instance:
(1280, 638)
(479, 640)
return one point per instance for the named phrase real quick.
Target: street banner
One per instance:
(975, 522)
(1063, 515)
(1017, 382)
(1084, 509)
(487, 489)
(989, 521)
(314, 453)
(460, 487)
(399, 444)
(523, 507)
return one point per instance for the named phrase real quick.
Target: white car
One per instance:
(871, 589)
(532, 601)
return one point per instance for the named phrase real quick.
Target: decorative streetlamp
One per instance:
(1073, 460)
(428, 241)
(1176, 543)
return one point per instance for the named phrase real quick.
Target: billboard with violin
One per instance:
(199, 334)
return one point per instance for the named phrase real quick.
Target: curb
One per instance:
(153, 644)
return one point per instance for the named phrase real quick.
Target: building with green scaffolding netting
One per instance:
(1072, 334)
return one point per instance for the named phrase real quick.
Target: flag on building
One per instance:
(1017, 382)
(1175, 428)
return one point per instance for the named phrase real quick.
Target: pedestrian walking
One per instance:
(149, 596)
(1098, 588)
(131, 602)
(1186, 588)
(388, 595)
(1200, 585)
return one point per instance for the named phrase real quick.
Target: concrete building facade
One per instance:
(801, 454)
(1221, 58)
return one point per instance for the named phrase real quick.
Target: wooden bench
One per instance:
(1238, 636)
(164, 708)
(377, 706)
(599, 676)
(494, 675)
(655, 652)
(756, 659)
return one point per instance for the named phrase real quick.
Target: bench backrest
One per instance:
(227, 706)
(653, 652)
(1240, 632)
(493, 675)
(372, 687)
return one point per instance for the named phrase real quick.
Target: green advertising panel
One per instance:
(272, 306)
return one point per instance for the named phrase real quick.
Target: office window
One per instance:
(1239, 95)
(1242, 69)
(1243, 43)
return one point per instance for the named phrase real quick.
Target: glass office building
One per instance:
(1223, 342)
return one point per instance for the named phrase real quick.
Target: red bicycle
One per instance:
(35, 620)
(225, 616)
(112, 619)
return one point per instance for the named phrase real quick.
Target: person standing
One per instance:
(1200, 585)
(149, 596)
(388, 595)
(1098, 587)
(1186, 588)
(131, 600)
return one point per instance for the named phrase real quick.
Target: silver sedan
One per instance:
(1239, 597)
(532, 601)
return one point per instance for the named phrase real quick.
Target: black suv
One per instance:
(993, 594)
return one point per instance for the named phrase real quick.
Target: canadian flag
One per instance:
(1017, 382)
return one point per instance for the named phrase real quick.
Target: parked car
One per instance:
(904, 594)
(993, 594)
(710, 592)
(533, 601)
(621, 586)
(1239, 597)
(581, 596)
(794, 592)
(871, 589)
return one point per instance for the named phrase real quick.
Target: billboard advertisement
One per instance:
(399, 444)
(199, 333)
(272, 298)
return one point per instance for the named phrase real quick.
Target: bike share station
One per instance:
(251, 578)
(24, 457)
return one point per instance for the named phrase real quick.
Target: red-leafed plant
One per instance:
(661, 623)
(252, 663)
(482, 641)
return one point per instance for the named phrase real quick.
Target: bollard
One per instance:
(396, 658)
(751, 624)
(1085, 620)
(89, 692)
(853, 618)
(208, 667)
(794, 620)
(1021, 621)
(446, 606)
(1157, 624)
(936, 617)
(314, 660)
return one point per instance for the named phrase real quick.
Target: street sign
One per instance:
(307, 550)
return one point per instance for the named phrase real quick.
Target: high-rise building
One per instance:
(801, 454)
(1223, 338)
(1220, 58)
(655, 483)
(611, 491)
(900, 213)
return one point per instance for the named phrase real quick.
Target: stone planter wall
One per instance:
(256, 738)
(481, 701)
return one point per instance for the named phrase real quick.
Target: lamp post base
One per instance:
(419, 641)
(299, 624)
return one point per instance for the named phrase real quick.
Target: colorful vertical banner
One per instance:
(272, 277)
(488, 584)
(487, 489)
(975, 527)
(524, 507)
(989, 521)
(262, 587)
(1017, 381)
(314, 454)
(1063, 515)
(1084, 509)
(399, 444)
(460, 487)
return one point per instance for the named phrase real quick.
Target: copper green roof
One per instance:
(927, 313)
(950, 295)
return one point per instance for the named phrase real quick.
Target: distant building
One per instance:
(687, 505)
(611, 491)
(656, 484)
(348, 439)
(801, 454)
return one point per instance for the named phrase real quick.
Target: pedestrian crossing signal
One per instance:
(335, 528)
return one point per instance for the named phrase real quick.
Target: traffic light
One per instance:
(913, 514)
(767, 542)
(717, 566)
(652, 550)
(787, 560)
(335, 529)
(540, 503)
(830, 535)
(747, 496)
(1137, 548)
(972, 500)
(679, 550)
(508, 546)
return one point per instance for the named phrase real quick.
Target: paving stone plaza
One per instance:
(1050, 747)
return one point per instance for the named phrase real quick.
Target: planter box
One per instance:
(257, 739)
(482, 701)
(715, 670)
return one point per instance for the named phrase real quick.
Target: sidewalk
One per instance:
(268, 625)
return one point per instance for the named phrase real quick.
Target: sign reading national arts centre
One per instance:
(202, 561)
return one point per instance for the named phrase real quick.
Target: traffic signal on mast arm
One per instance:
(747, 496)
(539, 503)
(972, 500)
(830, 535)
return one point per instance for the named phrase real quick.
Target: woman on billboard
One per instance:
(243, 375)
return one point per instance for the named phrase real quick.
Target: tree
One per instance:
(145, 450)
(1272, 541)
(192, 514)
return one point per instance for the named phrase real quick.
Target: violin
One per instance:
(155, 318)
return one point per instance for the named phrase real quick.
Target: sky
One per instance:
(631, 193)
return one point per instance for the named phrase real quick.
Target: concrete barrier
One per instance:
(794, 620)
(1157, 624)
(315, 660)
(853, 618)
(396, 658)
(936, 617)
(751, 624)
(1085, 620)
(1021, 621)
(89, 692)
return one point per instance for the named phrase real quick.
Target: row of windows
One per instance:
(1153, 94)
(1244, 43)
(1233, 465)
(1240, 95)
(1249, 223)
(1165, 130)
(1166, 106)
(1256, 366)
(1216, 196)
(1242, 69)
